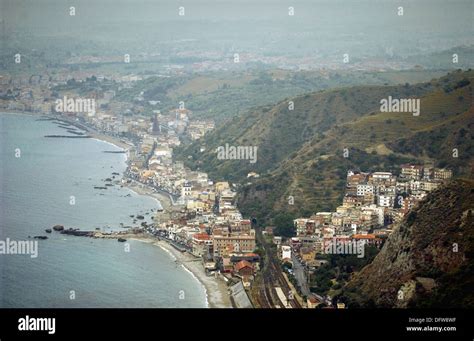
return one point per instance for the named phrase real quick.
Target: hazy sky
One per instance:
(361, 27)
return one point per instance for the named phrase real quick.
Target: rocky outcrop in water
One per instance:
(58, 227)
(77, 232)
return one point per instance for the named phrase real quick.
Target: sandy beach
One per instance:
(109, 139)
(216, 289)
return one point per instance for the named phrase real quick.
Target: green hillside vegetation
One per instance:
(329, 278)
(223, 95)
(315, 175)
(278, 132)
(301, 152)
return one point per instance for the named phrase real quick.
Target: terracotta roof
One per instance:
(242, 264)
(313, 299)
(364, 236)
(202, 236)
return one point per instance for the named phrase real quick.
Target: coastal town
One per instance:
(199, 216)
(171, 163)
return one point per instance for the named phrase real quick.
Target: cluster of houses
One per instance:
(24, 96)
(204, 221)
(212, 228)
(164, 129)
(207, 222)
(209, 225)
(198, 128)
(371, 204)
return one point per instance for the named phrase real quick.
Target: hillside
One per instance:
(222, 95)
(428, 260)
(315, 175)
(301, 152)
(278, 132)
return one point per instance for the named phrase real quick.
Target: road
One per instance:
(299, 272)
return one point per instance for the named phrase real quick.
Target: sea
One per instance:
(49, 181)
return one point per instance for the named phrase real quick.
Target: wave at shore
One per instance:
(215, 289)
(107, 142)
(217, 295)
(167, 251)
(197, 279)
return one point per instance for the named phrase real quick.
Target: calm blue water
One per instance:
(35, 192)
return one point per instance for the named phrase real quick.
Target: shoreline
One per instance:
(110, 140)
(165, 201)
(216, 290)
(93, 134)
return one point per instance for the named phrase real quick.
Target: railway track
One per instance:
(263, 295)
(272, 277)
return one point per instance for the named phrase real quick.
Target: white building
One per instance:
(186, 190)
(163, 151)
(381, 175)
(365, 189)
(285, 252)
(385, 200)
(300, 225)
(379, 211)
(415, 185)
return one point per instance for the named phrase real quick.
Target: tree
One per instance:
(284, 224)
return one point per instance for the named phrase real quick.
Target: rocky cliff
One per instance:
(428, 260)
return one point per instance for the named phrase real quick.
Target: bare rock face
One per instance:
(428, 259)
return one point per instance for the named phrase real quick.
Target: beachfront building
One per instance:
(201, 244)
(239, 243)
